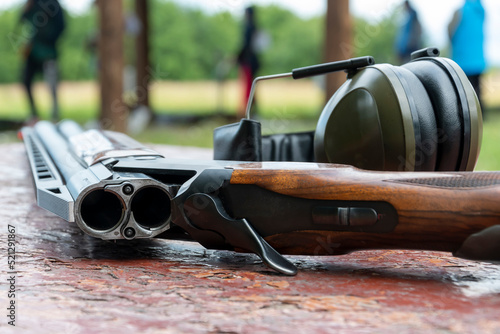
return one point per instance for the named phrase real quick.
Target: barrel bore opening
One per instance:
(151, 207)
(101, 210)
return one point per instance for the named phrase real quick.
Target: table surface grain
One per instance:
(67, 282)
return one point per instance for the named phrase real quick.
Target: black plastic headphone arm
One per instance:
(426, 52)
(343, 65)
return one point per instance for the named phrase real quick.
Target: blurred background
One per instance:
(170, 71)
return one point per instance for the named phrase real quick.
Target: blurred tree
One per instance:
(13, 40)
(113, 113)
(142, 53)
(295, 42)
(77, 57)
(187, 44)
(338, 41)
(375, 38)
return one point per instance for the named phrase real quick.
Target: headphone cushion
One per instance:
(447, 109)
(424, 120)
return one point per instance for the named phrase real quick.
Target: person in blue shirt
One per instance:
(409, 38)
(466, 32)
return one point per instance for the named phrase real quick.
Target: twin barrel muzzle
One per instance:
(126, 210)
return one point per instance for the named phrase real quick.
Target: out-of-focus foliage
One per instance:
(294, 42)
(11, 43)
(375, 39)
(189, 44)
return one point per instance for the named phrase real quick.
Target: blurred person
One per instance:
(46, 21)
(466, 32)
(409, 38)
(247, 57)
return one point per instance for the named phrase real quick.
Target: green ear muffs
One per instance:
(422, 116)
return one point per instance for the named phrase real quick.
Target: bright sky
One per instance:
(434, 14)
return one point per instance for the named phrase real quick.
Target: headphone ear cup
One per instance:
(456, 109)
(424, 121)
(380, 119)
(423, 116)
(349, 129)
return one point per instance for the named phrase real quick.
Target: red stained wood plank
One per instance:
(67, 282)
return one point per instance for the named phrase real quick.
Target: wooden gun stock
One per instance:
(434, 211)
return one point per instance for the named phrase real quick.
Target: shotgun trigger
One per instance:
(207, 213)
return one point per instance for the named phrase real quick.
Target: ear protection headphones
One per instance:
(422, 116)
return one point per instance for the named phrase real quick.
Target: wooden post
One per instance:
(338, 43)
(113, 110)
(142, 54)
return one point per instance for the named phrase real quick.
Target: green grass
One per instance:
(77, 101)
(489, 158)
(200, 134)
(283, 99)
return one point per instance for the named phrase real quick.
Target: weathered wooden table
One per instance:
(67, 282)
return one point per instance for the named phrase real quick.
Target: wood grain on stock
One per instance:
(437, 211)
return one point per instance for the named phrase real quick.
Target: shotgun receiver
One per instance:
(115, 188)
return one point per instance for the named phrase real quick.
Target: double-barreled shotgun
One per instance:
(115, 188)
